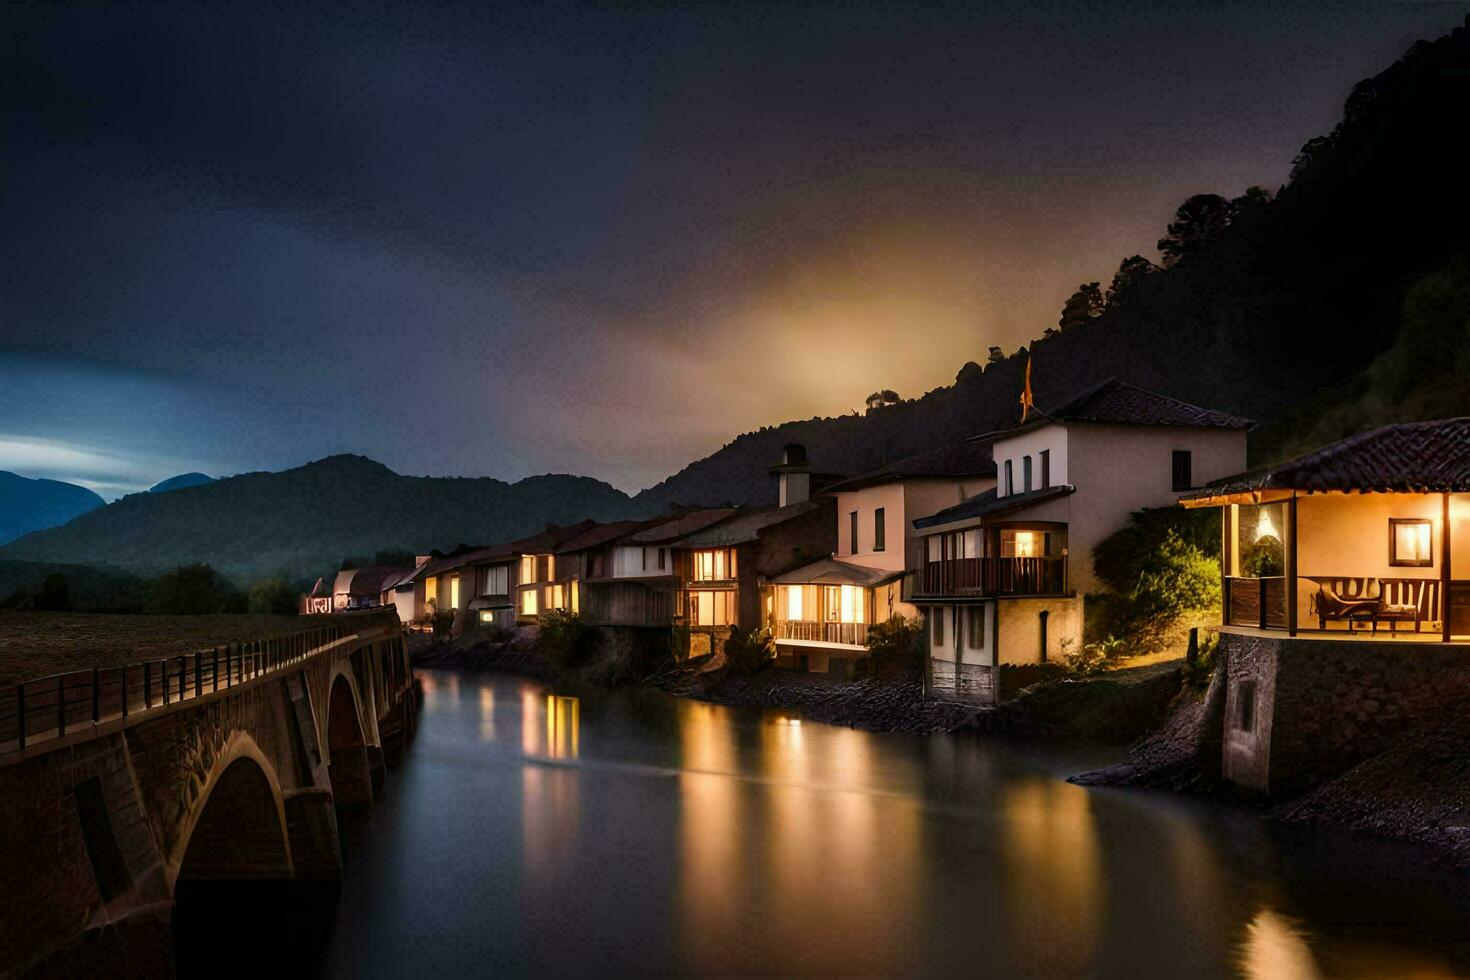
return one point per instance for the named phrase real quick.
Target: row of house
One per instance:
(988, 542)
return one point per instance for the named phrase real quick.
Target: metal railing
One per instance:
(850, 634)
(994, 576)
(50, 707)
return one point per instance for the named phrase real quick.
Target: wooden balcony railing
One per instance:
(851, 634)
(1259, 602)
(994, 576)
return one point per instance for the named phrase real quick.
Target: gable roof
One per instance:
(968, 457)
(368, 581)
(551, 538)
(989, 504)
(598, 535)
(1116, 402)
(665, 531)
(1406, 457)
(830, 571)
(747, 525)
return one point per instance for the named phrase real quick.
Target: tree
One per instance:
(883, 399)
(1131, 271)
(195, 590)
(1199, 220)
(1085, 305)
(1255, 196)
(273, 597)
(996, 356)
(1312, 153)
(747, 651)
(53, 594)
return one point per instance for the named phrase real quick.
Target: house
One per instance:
(1361, 536)
(363, 588)
(1344, 620)
(1003, 576)
(318, 600)
(542, 583)
(821, 611)
(722, 569)
(635, 583)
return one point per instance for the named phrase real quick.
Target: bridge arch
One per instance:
(237, 827)
(348, 767)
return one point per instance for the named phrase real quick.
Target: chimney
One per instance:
(793, 475)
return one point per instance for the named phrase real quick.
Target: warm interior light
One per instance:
(1264, 527)
(793, 602)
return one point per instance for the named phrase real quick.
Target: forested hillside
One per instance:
(1330, 305)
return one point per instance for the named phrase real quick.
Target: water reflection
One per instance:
(1053, 894)
(487, 714)
(1275, 948)
(551, 725)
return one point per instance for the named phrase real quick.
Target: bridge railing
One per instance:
(50, 707)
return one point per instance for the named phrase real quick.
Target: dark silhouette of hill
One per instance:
(180, 482)
(1333, 305)
(301, 521)
(31, 505)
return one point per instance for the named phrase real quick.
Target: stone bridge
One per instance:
(121, 783)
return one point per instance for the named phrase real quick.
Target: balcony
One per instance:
(844, 634)
(993, 577)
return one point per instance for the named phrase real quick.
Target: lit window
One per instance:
(528, 569)
(487, 615)
(454, 592)
(431, 589)
(528, 602)
(713, 566)
(793, 602)
(1021, 544)
(852, 604)
(711, 608)
(1410, 542)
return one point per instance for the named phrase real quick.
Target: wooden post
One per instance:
(198, 674)
(20, 708)
(215, 672)
(1444, 571)
(147, 685)
(1291, 565)
(1227, 565)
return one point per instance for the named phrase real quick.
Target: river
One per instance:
(530, 830)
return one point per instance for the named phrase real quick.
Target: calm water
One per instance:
(530, 831)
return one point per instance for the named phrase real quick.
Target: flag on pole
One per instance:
(1028, 403)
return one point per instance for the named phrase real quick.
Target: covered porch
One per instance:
(1366, 538)
(831, 603)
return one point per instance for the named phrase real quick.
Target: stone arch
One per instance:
(346, 742)
(237, 828)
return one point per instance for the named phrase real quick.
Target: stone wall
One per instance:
(1301, 710)
(972, 684)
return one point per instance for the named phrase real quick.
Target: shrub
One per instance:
(1161, 565)
(747, 651)
(897, 647)
(562, 639)
(1123, 556)
(442, 622)
(1198, 674)
(1094, 658)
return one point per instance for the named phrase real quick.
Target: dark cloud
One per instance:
(495, 239)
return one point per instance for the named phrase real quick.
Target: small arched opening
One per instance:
(347, 755)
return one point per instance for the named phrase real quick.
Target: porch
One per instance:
(993, 576)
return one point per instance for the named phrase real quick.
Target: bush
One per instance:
(897, 647)
(273, 596)
(1163, 564)
(563, 640)
(1096, 657)
(442, 622)
(195, 590)
(1121, 558)
(747, 651)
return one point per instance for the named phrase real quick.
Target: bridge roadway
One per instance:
(118, 784)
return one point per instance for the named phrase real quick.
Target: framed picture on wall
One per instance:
(1410, 542)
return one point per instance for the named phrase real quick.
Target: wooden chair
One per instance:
(1406, 600)
(1353, 599)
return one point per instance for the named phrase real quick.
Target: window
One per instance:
(714, 566)
(879, 535)
(793, 602)
(528, 569)
(497, 580)
(712, 608)
(550, 567)
(936, 628)
(1022, 544)
(852, 544)
(975, 621)
(487, 615)
(1410, 542)
(431, 590)
(1245, 707)
(555, 597)
(1045, 468)
(1183, 469)
(1026, 474)
(454, 592)
(1010, 485)
(528, 602)
(662, 558)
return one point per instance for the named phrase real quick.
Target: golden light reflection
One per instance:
(1275, 948)
(713, 863)
(487, 714)
(1052, 886)
(550, 820)
(550, 726)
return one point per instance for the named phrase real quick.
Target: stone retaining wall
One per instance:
(1301, 710)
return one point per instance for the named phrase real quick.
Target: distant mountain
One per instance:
(1338, 303)
(301, 521)
(180, 482)
(32, 505)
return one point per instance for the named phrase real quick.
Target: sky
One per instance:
(488, 240)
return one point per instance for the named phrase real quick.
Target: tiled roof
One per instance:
(830, 571)
(595, 536)
(551, 538)
(369, 581)
(1407, 457)
(988, 504)
(1120, 403)
(664, 531)
(747, 525)
(969, 457)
